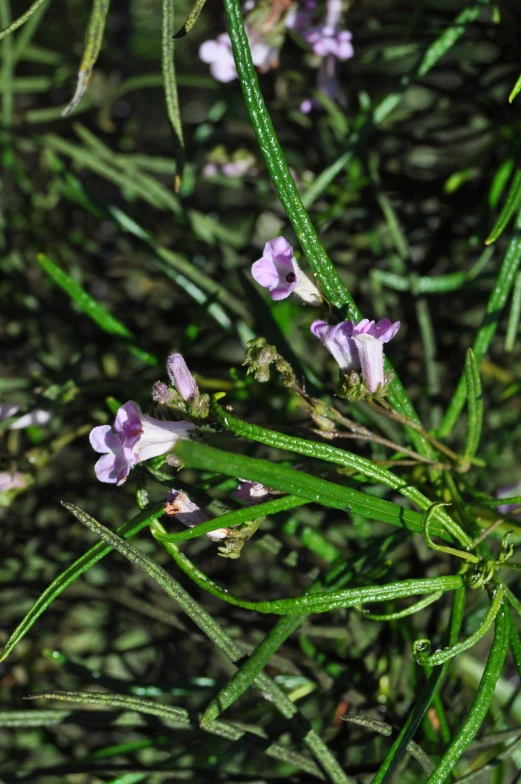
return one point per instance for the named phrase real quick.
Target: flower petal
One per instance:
(265, 273)
(159, 437)
(385, 330)
(103, 440)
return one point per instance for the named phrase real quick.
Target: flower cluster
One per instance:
(359, 347)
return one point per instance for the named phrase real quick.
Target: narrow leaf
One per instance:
(512, 203)
(191, 19)
(23, 18)
(92, 308)
(170, 86)
(515, 91)
(95, 30)
(385, 729)
(181, 717)
(481, 703)
(496, 302)
(76, 569)
(514, 316)
(474, 405)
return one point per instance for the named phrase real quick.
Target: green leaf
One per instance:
(515, 91)
(181, 717)
(301, 484)
(218, 635)
(95, 30)
(93, 309)
(474, 405)
(481, 703)
(76, 569)
(497, 301)
(191, 19)
(512, 203)
(514, 316)
(170, 86)
(341, 457)
(23, 18)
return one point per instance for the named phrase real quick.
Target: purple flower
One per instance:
(358, 346)
(219, 55)
(181, 377)
(252, 492)
(137, 437)
(279, 272)
(12, 481)
(338, 340)
(299, 16)
(326, 41)
(178, 505)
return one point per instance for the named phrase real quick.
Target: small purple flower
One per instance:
(279, 272)
(12, 481)
(338, 340)
(358, 346)
(178, 505)
(137, 437)
(299, 16)
(252, 492)
(219, 55)
(181, 377)
(326, 41)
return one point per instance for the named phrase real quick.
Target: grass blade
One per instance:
(23, 18)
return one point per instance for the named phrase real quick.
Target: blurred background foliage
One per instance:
(94, 193)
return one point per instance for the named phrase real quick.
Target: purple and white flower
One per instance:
(356, 346)
(137, 437)
(218, 54)
(178, 505)
(325, 39)
(181, 377)
(279, 272)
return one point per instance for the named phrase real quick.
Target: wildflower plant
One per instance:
(270, 503)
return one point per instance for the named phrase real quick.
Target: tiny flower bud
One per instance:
(160, 393)
(181, 377)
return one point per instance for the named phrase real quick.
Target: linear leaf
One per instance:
(218, 635)
(341, 457)
(300, 484)
(92, 308)
(76, 569)
(23, 18)
(181, 717)
(514, 316)
(170, 86)
(481, 703)
(496, 302)
(512, 203)
(515, 91)
(95, 30)
(474, 405)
